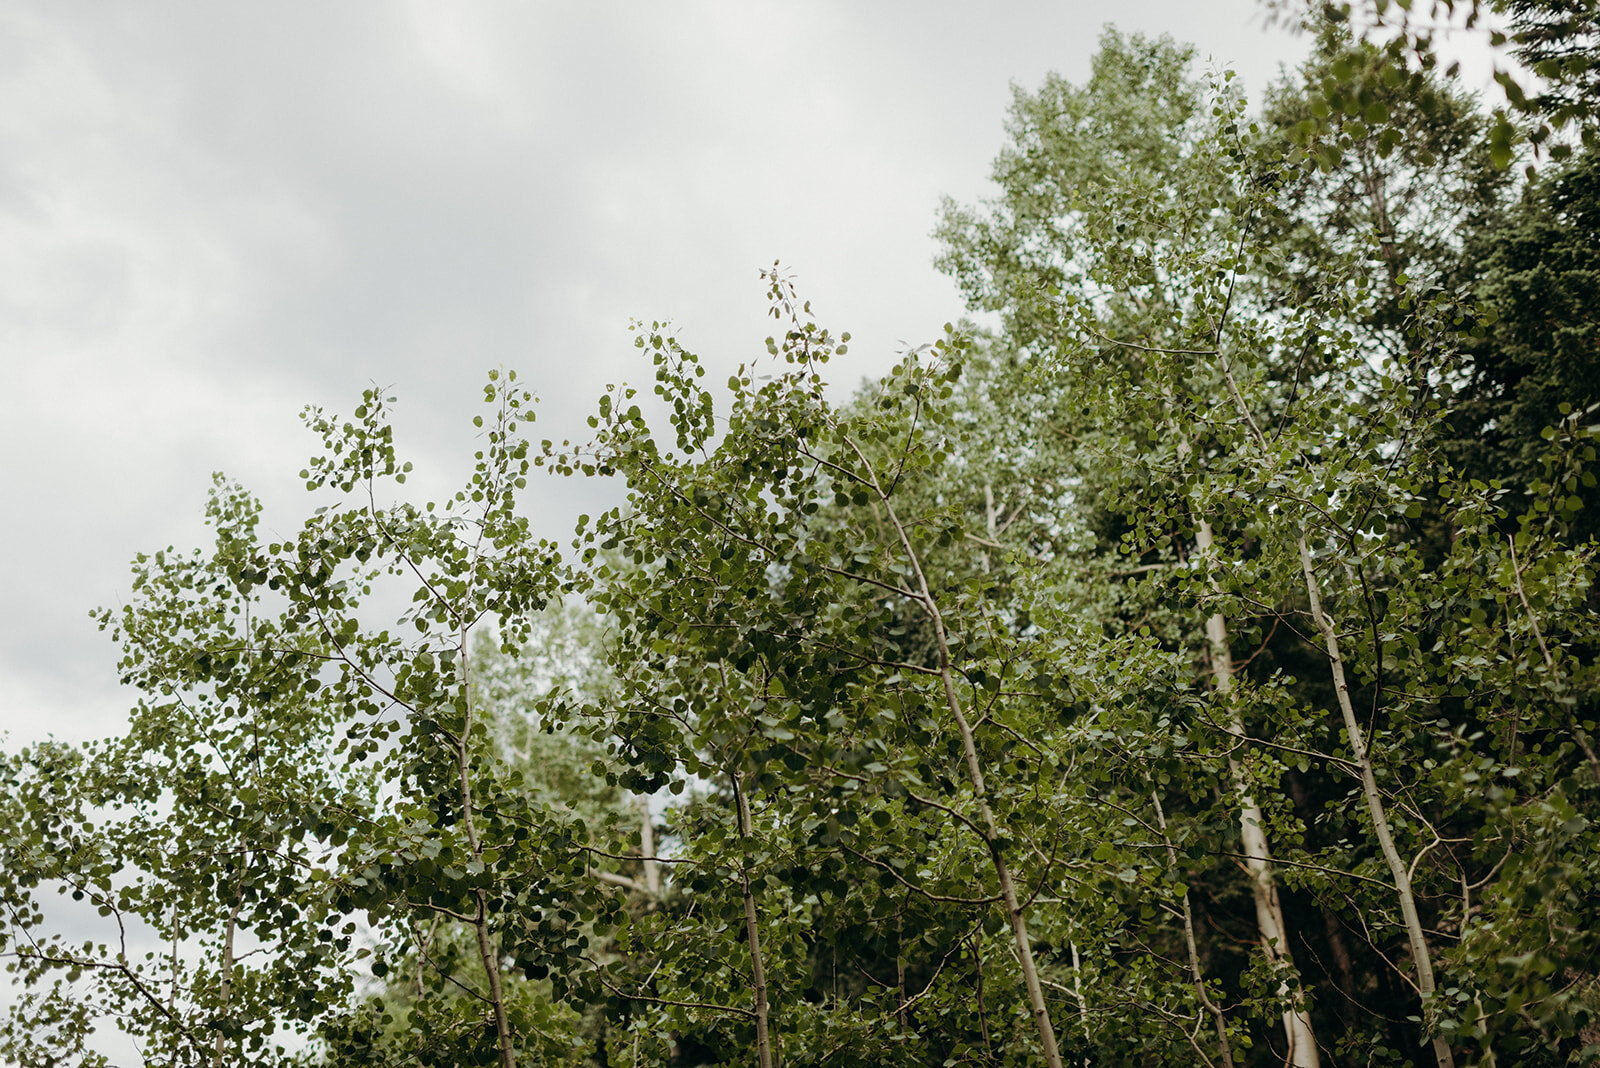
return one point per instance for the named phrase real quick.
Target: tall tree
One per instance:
(1138, 125)
(735, 609)
(1205, 403)
(1388, 171)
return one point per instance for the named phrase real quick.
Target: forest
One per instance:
(1189, 661)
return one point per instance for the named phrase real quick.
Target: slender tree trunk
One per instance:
(977, 969)
(488, 952)
(758, 974)
(988, 521)
(900, 969)
(990, 826)
(1381, 222)
(1077, 992)
(1488, 1059)
(172, 967)
(1342, 960)
(1420, 956)
(1363, 759)
(1549, 661)
(225, 983)
(1189, 943)
(1270, 923)
(647, 847)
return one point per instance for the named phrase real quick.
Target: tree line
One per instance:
(1197, 666)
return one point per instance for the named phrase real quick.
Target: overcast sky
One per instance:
(214, 214)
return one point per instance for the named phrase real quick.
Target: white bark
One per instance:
(1420, 956)
(758, 975)
(993, 839)
(647, 848)
(1270, 924)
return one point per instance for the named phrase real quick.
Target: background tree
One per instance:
(337, 795)
(1389, 170)
(1537, 267)
(1128, 265)
(1555, 40)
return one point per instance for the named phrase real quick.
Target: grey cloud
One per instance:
(213, 214)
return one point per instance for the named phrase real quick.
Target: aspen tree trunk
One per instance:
(977, 967)
(1363, 758)
(647, 847)
(758, 975)
(488, 952)
(225, 984)
(1270, 924)
(1077, 989)
(988, 520)
(900, 970)
(1189, 943)
(1083, 1008)
(1380, 821)
(993, 839)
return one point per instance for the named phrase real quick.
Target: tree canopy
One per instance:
(1198, 666)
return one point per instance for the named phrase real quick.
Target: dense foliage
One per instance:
(1197, 668)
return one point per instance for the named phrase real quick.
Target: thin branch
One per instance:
(1310, 867)
(1149, 348)
(991, 899)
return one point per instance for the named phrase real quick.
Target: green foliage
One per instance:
(1538, 268)
(1382, 176)
(1204, 659)
(305, 790)
(1262, 364)
(1555, 40)
(1136, 121)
